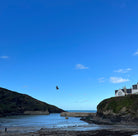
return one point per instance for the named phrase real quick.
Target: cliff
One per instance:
(13, 103)
(119, 109)
(116, 111)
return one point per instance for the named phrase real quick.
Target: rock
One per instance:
(116, 110)
(119, 109)
(13, 103)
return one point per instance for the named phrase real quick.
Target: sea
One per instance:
(31, 123)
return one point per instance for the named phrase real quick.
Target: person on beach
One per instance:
(5, 130)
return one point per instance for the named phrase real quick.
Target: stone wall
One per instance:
(77, 114)
(36, 112)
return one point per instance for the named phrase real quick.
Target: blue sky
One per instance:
(88, 48)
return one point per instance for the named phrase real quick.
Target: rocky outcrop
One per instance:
(116, 110)
(13, 103)
(119, 109)
(76, 114)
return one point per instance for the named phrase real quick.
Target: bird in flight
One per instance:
(57, 87)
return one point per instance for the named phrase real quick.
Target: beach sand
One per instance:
(57, 132)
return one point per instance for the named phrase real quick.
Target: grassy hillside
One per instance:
(13, 103)
(119, 106)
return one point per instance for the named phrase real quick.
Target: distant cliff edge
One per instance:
(13, 103)
(116, 110)
(119, 109)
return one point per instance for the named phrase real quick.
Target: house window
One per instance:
(120, 93)
(134, 86)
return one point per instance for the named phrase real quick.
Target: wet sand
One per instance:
(56, 132)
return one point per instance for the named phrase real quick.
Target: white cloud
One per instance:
(118, 80)
(136, 53)
(4, 57)
(80, 66)
(123, 70)
(25, 86)
(101, 80)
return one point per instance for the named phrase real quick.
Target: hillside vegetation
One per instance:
(13, 103)
(124, 107)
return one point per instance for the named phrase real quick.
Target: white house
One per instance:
(124, 91)
(135, 89)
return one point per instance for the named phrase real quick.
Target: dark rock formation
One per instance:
(116, 110)
(13, 103)
(49, 132)
(119, 109)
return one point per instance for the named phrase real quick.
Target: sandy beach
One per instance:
(57, 132)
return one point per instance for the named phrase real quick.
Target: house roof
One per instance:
(118, 90)
(129, 91)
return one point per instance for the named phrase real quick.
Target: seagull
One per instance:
(57, 87)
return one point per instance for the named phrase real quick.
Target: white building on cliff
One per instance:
(125, 91)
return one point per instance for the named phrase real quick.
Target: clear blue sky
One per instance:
(87, 47)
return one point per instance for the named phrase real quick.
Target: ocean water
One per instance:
(36, 122)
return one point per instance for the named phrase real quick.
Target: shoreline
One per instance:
(101, 130)
(58, 132)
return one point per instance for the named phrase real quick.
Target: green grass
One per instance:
(16, 103)
(116, 104)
